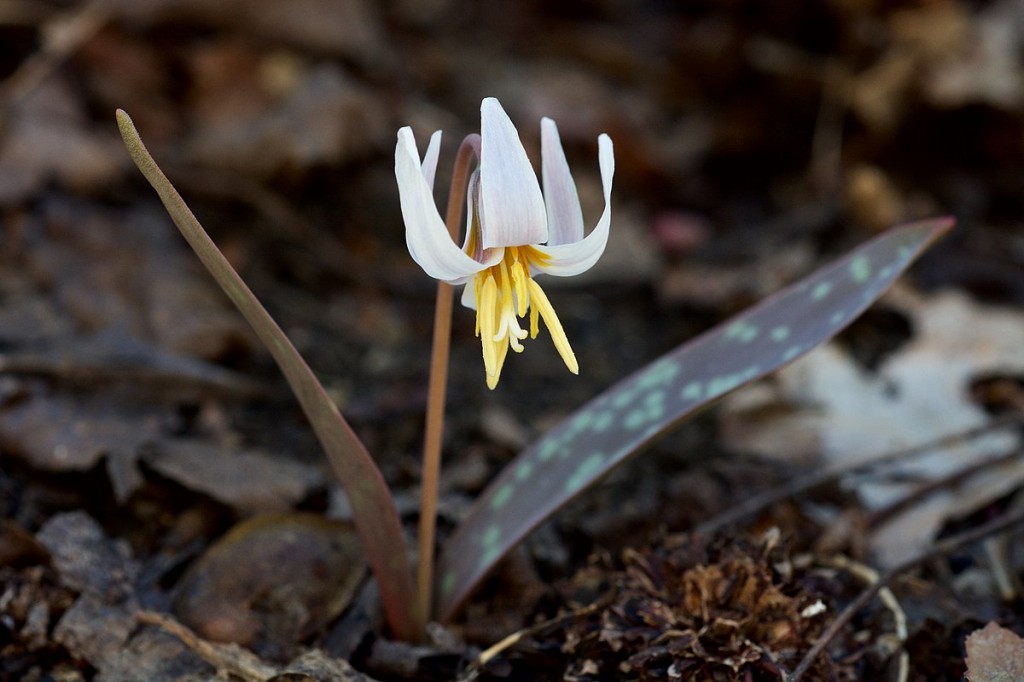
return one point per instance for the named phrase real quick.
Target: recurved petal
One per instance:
(565, 217)
(511, 205)
(425, 233)
(565, 260)
(429, 166)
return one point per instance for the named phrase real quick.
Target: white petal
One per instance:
(565, 217)
(469, 295)
(429, 166)
(572, 259)
(425, 233)
(511, 204)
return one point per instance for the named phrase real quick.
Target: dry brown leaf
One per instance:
(325, 117)
(995, 654)
(272, 581)
(249, 482)
(47, 136)
(987, 67)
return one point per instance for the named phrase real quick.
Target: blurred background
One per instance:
(750, 140)
(754, 141)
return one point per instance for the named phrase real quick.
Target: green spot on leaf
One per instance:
(741, 331)
(635, 419)
(603, 421)
(502, 496)
(860, 269)
(780, 333)
(491, 536)
(654, 399)
(692, 391)
(654, 405)
(489, 556)
(624, 399)
(581, 421)
(524, 470)
(448, 582)
(792, 352)
(821, 290)
(659, 373)
(723, 384)
(584, 472)
(548, 449)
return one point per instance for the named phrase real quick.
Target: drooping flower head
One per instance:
(513, 232)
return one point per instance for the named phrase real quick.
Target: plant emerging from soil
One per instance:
(503, 250)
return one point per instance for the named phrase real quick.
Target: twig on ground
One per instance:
(941, 548)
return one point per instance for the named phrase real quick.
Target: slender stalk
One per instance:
(436, 390)
(373, 509)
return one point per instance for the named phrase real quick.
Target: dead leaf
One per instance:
(826, 406)
(72, 433)
(102, 570)
(995, 654)
(987, 66)
(272, 581)
(249, 482)
(48, 137)
(326, 117)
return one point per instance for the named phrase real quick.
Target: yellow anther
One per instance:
(504, 293)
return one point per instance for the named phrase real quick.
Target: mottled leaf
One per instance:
(628, 416)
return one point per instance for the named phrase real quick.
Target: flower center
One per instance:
(504, 292)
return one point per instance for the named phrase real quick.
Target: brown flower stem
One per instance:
(436, 390)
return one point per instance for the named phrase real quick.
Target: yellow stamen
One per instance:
(540, 302)
(487, 306)
(519, 277)
(504, 293)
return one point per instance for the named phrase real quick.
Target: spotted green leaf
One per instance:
(629, 415)
(373, 509)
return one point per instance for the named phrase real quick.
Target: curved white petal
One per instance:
(429, 166)
(565, 217)
(565, 260)
(473, 242)
(425, 233)
(511, 204)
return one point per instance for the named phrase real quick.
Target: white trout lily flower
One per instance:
(514, 231)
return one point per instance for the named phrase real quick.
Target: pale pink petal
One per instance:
(565, 260)
(511, 204)
(565, 218)
(425, 233)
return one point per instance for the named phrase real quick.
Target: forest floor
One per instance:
(151, 455)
